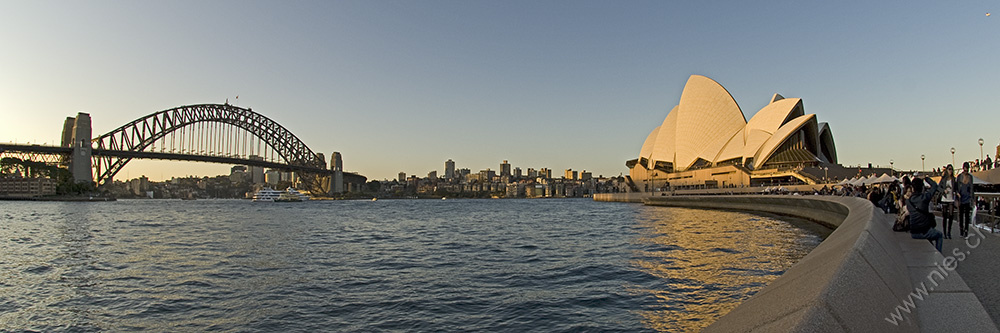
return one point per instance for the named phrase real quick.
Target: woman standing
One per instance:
(948, 204)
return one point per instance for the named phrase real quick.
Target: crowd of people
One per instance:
(913, 198)
(977, 165)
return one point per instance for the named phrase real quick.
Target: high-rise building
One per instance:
(402, 177)
(140, 185)
(449, 169)
(517, 172)
(504, 168)
(545, 173)
(486, 175)
(272, 177)
(585, 176)
(532, 173)
(433, 175)
(569, 174)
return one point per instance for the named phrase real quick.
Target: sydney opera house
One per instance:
(706, 142)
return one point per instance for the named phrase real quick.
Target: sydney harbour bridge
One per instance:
(213, 133)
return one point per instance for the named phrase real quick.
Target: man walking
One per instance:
(966, 195)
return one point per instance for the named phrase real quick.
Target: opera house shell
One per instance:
(706, 141)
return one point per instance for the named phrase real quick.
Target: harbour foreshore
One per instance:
(58, 198)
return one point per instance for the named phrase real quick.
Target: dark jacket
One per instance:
(964, 188)
(918, 205)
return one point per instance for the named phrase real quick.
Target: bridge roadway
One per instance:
(4, 147)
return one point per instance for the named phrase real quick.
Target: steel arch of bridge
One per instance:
(144, 132)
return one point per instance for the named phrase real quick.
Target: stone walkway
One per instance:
(981, 267)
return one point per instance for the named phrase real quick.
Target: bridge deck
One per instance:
(170, 156)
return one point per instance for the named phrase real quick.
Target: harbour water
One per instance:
(387, 265)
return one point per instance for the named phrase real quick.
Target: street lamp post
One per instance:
(922, 163)
(953, 156)
(892, 170)
(981, 150)
(652, 182)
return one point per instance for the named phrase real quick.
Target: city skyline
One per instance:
(403, 86)
(511, 170)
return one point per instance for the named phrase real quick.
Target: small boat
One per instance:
(266, 195)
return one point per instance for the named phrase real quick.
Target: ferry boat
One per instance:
(266, 195)
(287, 197)
(300, 195)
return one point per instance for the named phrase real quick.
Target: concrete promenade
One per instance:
(981, 267)
(863, 277)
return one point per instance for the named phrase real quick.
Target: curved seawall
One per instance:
(861, 278)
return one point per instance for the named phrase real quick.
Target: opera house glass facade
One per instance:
(706, 142)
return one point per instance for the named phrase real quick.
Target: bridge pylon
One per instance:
(77, 135)
(337, 181)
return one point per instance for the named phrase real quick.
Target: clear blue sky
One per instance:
(405, 85)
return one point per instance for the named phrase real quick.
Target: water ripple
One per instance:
(391, 265)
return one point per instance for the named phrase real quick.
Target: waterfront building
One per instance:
(27, 187)
(140, 186)
(585, 176)
(505, 168)
(237, 173)
(402, 177)
(487, 175)
(515, 190)
(449, 169)
(517, 173)
(705, 141)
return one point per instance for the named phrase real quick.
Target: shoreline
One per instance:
(59, 198)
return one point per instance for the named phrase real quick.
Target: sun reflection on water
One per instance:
(731, 254)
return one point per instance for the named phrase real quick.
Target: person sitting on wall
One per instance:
(922, 222)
